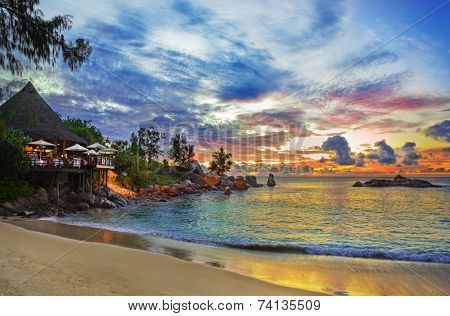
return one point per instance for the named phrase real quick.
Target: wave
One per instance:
(344, 252)
(323, 250)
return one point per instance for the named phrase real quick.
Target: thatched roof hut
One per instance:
(29, 112)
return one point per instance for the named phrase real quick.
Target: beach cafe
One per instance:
(54, 148)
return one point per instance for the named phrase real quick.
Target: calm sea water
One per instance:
(325, 216)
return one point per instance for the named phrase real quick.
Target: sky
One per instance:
(363, 84)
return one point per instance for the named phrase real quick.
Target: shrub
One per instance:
(12, 190)
(12, 162)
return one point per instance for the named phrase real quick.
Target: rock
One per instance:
(213, 179)
(173, 191)
(108, 204)
(189, 190)
(165, 189)
(41, 195)
(227, 191)
(231, 178)
(8, 206)
(398, 181)
(61, 203)
(271, 180)
(87, 198)
(251, 180)
(240, 184)
(195, 167)
(141, 192)
(199, 180)
(117, 199)
(82, 207)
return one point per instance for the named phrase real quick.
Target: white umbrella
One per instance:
(76, 147)
(41, 143)
(108, 151)
(96, 146)
(91, 152)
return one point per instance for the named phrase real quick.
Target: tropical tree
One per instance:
(84, 129)
(180, 151)
(221, 161)
(12, 162)
(148, 141)
(26, 35)
(120, 145)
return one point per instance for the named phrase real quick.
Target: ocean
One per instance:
(315, 216)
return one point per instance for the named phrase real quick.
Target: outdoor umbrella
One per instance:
(108, 151)
(91, 152)
(76, 147)
(41, 143)
(96, 146)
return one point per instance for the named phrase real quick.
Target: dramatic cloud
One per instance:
(385, 155)
(340, 145)
(440, 130)
(410, 155)
(360, 160)
(281, 74)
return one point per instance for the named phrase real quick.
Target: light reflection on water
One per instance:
(301, 215)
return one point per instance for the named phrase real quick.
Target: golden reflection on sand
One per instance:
(326, 274)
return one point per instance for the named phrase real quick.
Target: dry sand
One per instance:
(33, 263)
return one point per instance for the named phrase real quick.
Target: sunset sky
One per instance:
(268, 80)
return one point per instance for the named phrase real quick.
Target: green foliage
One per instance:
(26, 34)
(148, 141)
(12, 190)
(180, 151)
(221, 161)
(84, 129)
(128, 173)
(120, 145)
(12, 162)
(166, 179)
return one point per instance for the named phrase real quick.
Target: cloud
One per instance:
(410, 156)
(385, 155)
(340, 145)
(360, 160)
(440, 131)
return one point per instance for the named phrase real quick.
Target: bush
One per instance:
(12, 190)
(165, 179)
(12, 162)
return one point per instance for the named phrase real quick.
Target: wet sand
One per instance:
(34, 263)
(317, 274)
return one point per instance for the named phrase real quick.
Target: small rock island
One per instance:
(398, 181)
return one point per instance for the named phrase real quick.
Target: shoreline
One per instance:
(315, 273)
(94, 268)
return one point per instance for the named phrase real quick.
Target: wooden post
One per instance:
(106, 174)
(83, 179)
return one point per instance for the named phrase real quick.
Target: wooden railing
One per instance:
(76, 163)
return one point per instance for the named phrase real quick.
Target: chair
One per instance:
(76, 163)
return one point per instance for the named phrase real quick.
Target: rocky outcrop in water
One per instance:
(251, 180)
(271, 180)
(240, 184)
(398, 181)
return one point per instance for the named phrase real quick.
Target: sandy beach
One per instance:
(100, 269)
(115, 263)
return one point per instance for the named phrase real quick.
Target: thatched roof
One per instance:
(29, 112)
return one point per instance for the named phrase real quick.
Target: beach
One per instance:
(100, 269)
(115, 263)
